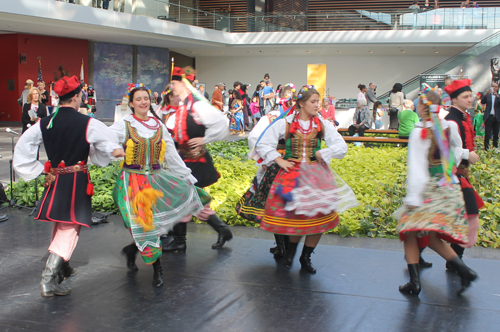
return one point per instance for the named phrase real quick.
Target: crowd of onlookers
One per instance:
(118, 5)
(427, 5)
(402, 113)
(36, 101)
(245, 108)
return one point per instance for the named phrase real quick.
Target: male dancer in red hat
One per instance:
(460, 93)
(196, 123)
(69, 138)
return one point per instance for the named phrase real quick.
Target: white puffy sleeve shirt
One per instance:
(214, 121)
(418, 159)
(175, 164)
(101, 139)
(336, 147)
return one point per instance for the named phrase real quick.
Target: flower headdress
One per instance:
(132, 86)
(165, 92)
(289, 95)
(304, 89)
(423, 96)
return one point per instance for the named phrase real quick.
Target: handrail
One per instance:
(473, 50)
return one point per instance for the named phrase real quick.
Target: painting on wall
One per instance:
(153, 67)
(112, 73)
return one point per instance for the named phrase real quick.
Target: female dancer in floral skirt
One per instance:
(434, 207)
(305, 195)
(151, 199)
(251, 205)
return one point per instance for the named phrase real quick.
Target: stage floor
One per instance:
(238, 288)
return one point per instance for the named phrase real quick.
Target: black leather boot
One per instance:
(305, 260)
(459, 250)
(221, 228)
(413, 287)
(66, 272)
(291, 248)
(130, 252)
(279, 250)
(467, 275)
(158, 274)
(421, 262)
(179, 243)
(49, 286)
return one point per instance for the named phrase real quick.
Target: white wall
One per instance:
(343, 73)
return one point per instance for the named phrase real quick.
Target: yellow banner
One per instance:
(316, 75)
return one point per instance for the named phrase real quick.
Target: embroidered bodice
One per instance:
(143, 154)
(301, 146)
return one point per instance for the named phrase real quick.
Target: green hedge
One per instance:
(377, 176)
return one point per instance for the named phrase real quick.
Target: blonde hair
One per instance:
(28, 84)
(30, 95)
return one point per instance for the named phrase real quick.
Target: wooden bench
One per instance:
(392, 140)
(372, 131)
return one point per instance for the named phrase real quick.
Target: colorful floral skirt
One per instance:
(237, 121)
(304, 201)
(251, 205)
(151, 204)
(443, 212)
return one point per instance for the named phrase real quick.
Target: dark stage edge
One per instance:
(238, 288)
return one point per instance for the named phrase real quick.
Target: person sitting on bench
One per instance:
(362, 119)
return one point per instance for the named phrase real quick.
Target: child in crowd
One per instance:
(378, 111)
(478, 117)
(254, 109)
(238, 119)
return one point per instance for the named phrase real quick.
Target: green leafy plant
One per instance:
(377, 176)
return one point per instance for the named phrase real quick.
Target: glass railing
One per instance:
(483, 46)
(223, 19)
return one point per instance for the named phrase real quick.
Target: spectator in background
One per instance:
(371, 94)
(217, 99)
(33, 110)
(415, 7)
(156, 98)
(436, 4)
(362, 119)
(396, 101)
(267, 96)
(205, 94)
(254, 109)
(427, 6)
(378, 111)
(407, 119)
(96, 3)
(476, 5)
(105, 4)
(491, 116)
(23, 98)
(478, 122)
(327, 111)
(44, 94)
(267, 77)
(225, 98)
(361, 94)
(261, 97)
(85, 100)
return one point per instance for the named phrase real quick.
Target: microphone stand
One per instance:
(12, 202)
